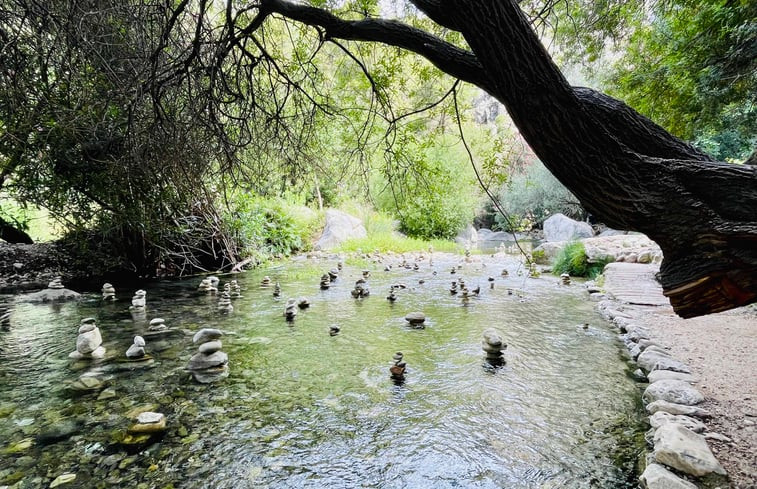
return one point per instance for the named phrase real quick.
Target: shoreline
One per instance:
(718, 351)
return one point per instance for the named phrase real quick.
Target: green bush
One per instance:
(572, 260)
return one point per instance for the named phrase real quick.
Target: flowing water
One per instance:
(305, 409)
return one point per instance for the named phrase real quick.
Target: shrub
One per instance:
(572, 260)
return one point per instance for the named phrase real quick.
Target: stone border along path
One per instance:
(680, 453)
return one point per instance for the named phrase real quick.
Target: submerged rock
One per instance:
(416, 319)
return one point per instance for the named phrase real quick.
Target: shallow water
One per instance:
(304, 409)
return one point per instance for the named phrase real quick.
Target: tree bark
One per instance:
(624, 169)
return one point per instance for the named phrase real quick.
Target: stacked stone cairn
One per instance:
(136, 351)
(109, 292)
(209, 364)
(157, 325)
(565, 279)
(334, 330)
(207, 286)
(277, 290)
(214, 281)
(361, 289)
(325, 281)
(533, 270)
(453, 287)
(340, 266)
(397, 370)
(366, 274)
(139, 301)
(505, 273)
(290, 310)
(333, 274)
(392, 296)
(236, 290)
(465, 295)
(266, 282)
(477, 290)
(416, 319)
(224, 303)
(303, 303)
(89, 342)
(493, 347)
(56, 283)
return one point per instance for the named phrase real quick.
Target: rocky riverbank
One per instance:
(30, 266)
(702, 391)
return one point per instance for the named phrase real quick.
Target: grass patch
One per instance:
(572, 260)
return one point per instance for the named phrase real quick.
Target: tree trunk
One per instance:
(630, 173)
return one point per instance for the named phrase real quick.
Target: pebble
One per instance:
(210, 347)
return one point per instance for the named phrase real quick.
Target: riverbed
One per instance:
(303, 408)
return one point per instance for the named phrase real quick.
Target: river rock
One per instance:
(200, 361)
(339, 228)
(210, 347)
(673, 408)
(62, 479)
(676, 391)
(684, 450)
(657, 375)
(661, 417)
(651, 359)
(415, 318)
(89, 341)
(559, 227)
(135, 351)
(656, 476)
(206, 334)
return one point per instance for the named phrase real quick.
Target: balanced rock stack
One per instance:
(236, 290)
(339, 266)
(157, 325)
(303, 303)
(214, 281)
(361, 289)
(453, 288)
(136, 351)
(277, 290)
(89, 342)
(416, 319)
(56, 283)
(224, 303)
(505, 273)
(207, 286)
(109, 292)
(366, 274)
(266, 282)
(565, 279)
(333, 274)
(494, 347)
(209, 364)
(290, 310)
(465, 294)
(325, 281)
(139, 301)
(392, 296)
(397, 370)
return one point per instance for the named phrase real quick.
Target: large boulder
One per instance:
(559, 227)
(339, 228)
(675, 391)
(684, 450)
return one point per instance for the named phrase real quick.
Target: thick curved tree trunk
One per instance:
(630, 173)
(624, 169)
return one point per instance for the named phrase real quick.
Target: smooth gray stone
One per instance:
(206, 334)
(684, 450)
(656, 476)
(673, 408)
(201, 361)
(86, 328)
(210, 347)
(650, 360)
(135, 351)
(657, 375)
(676, 391)
(661, 417)
(88, 342)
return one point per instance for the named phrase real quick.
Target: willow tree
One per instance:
(623, 168)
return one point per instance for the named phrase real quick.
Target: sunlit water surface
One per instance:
(303, 409)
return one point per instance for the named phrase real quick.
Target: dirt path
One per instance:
(720, 349)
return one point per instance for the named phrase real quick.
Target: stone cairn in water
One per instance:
(235, 291)
(493, 347)
(224, 303)
(136, 352)
(361, 289)
(207, 286)
(397, 370)
(334, 330)
(89, 342)
(303, 303)
(209, 364)
(290, 310)
(565, 279)
(453, 287)
(505, 273)
(416, 319)
(56, 283)
(266, 282)
(333, 274)
(139, 301)
(277, 290)
(325, 281)
(392, 296)
(339, 266)
(109, 292)
(157, 325)
(366, 274)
